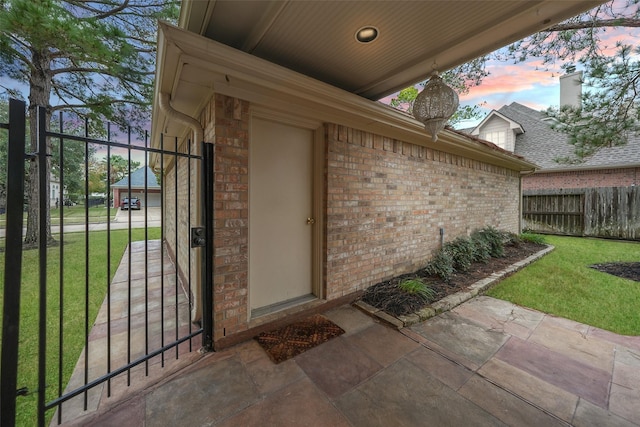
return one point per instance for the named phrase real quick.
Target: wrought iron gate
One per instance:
(108, 298)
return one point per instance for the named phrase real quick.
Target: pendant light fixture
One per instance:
(435, 105)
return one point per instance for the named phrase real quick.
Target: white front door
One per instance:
(280, 203)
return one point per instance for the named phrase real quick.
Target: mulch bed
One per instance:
(388, 297)
(626, 270)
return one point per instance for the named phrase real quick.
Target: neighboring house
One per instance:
(573, 197)
(56, 193)
(320, 192)
(148, 191)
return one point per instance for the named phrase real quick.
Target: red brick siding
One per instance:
(176, 186)
(583, 179)
(231, 228)
(387, 200)
(385, 203)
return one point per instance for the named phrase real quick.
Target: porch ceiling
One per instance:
(302, 57)
(317, 38)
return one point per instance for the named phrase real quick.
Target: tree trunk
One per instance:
(39, 93)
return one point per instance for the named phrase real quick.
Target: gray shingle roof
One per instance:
(541, 145)
(137, 179)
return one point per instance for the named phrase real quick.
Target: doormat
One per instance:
(289, 341)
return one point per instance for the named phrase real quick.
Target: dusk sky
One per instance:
(531, 83)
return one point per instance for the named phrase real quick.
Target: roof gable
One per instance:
(543, 145)
(137, 178)
(496, 115)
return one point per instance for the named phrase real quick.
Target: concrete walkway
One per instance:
(120, 222)
(487, 362)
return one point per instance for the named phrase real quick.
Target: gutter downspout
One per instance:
(173, 114)
(165, 106)
(522, 175)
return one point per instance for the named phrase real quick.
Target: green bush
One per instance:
(441, 265)
(483, 248)
(463, 251)
(495, 239)
(459, 254)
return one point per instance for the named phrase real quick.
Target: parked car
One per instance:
(134, 202)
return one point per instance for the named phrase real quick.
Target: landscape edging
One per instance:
(449, 302)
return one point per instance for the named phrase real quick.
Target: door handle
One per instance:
(311, 221)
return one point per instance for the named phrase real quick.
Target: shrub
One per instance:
(464, 253)
(483, 248)
(494, 239)
(418, 287)
(441, 265)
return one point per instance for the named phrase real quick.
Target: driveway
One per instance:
(138, 216)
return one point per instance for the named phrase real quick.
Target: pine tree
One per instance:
(609, 113)
(95, 58)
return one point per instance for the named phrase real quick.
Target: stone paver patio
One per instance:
(486, 362)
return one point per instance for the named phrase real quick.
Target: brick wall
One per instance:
(387, 200)
(180, 190)
(583, 179)
(226, 123)
(385, 203)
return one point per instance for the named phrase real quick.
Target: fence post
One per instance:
(207, 282)
(13, 258)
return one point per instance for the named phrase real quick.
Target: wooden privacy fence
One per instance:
(612, 212)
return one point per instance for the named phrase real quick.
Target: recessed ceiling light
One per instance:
(367, 34)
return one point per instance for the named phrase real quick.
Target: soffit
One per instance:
(191, 69)
(317, 38)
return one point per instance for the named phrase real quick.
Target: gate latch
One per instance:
(198, 237)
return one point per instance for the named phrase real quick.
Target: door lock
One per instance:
(198, 237)
(311, 221)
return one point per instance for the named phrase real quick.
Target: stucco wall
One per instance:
(385, 202)
(582, 179)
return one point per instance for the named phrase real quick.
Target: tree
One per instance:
(96, 58)
(119, 167)
(75, 154)
(460, 79)
(608, 114)
(609, 111)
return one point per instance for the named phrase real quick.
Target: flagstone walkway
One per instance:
(487, 362)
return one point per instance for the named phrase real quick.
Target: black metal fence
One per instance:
(99, 297)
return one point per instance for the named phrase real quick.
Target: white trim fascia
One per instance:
(237, 74)
(513, 125)
(586, 168)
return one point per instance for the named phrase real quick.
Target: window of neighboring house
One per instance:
(499, 138)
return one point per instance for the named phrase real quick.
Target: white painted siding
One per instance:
(497, 126)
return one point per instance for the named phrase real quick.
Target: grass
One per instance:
(75, 320)
(419, 287)
(562, 284)
(74, 215)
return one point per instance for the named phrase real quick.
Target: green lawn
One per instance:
(73, 308)
(562, 284)
(75, 215)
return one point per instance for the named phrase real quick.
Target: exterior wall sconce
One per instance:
(435, 105)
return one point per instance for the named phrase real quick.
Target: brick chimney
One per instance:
(571, 89)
